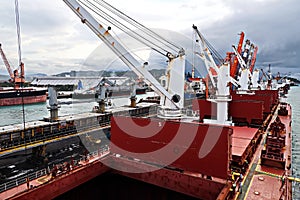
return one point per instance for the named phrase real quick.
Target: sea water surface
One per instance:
(13, 115)
(294, 100)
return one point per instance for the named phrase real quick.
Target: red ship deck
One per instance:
(244, 140)
(264, 187)
(265, 182)
(241, 139)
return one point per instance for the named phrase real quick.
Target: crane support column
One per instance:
(53, 104)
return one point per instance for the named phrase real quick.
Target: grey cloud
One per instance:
(272, 25)
(51, 26)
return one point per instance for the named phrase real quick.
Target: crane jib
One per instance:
(129, 59)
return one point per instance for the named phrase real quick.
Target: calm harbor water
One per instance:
(13, 115)
(294, 100)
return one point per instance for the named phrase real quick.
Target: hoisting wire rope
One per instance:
(193, 50)
(118, 24)
(123, 44)
(119, 40)
(124, 28)
(214, 52)
(20, 62)
(18, 30)
(138, 25)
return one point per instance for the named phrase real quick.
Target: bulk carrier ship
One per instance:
(19, 95)
(233, 144)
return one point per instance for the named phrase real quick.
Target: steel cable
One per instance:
(137, 36)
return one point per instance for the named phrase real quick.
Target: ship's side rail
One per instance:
(46, 171)
(21, 180)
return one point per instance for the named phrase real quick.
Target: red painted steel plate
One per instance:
(188, 146)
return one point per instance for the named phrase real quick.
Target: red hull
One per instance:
(19, 101)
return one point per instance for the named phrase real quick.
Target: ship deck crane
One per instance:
(172, 98)
(234, 66)
(221, 83)
(265, 75)
(247, 75)
(269, 78)
(253, 60)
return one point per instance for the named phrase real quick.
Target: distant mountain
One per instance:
(155, 72)
(37, 75)
(295, 80)
(28, 77)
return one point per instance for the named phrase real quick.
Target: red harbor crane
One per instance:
(15, 77)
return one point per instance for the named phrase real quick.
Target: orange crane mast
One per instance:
(233, 67)
(253, 59)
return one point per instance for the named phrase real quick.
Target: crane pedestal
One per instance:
(53, 112)
(101, 106)
(133, 101)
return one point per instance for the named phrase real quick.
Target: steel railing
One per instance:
(46, 171)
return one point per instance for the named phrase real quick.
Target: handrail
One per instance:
(77, 129)
(46, 171)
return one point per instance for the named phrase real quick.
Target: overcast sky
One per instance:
(54, 40)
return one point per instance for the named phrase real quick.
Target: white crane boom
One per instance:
(207, 58)
(128, 59)
(244, 80)
(222, 95)
(239, 57)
